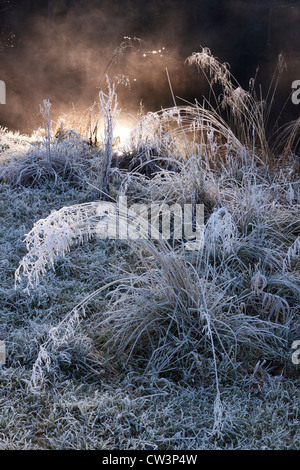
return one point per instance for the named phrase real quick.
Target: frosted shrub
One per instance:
(53, 236)
(220, 231)
(59, 336)
(217, 72)
(293, 253)
(248, 114)
(45, 111)
(108, 108)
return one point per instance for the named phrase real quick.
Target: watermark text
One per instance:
(157, 222)
(296, 354)
(2, 92)
(2, 353)
(296, 92)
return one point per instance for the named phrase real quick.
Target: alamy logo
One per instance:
(2, 92)
(296, 354)
(157, 222)
(2, 353)
(296, 92)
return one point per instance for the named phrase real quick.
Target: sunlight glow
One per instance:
(122, 137)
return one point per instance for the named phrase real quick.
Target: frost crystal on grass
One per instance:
(54, 236)
(220, 231)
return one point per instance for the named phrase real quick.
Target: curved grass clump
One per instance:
(217, 315)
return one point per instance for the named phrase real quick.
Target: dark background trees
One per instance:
(60, 48)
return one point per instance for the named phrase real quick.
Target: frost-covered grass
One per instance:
(146, 412)
(143, 344)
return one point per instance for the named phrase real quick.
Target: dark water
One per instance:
(61, 50)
